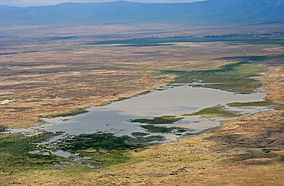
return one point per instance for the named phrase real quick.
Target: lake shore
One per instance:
(250, 146)
(248, 150)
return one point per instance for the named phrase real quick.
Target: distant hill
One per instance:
(211, 12)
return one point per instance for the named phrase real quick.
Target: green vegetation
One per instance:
(97, 141)
(250, 104)
(105, 149)
(232, 77)
(216, 111)
(74, 112)
(148, 139)
(158, 129)
(158, 120)
(139, 134)
(15, 156)
(105, 142)
(235, 77)
(105, 158)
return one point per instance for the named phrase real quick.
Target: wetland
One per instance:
(175, 106)
(126, 112)
(103, 136)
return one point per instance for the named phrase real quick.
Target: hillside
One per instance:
(211, 12)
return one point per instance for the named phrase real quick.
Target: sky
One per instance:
(53, 2)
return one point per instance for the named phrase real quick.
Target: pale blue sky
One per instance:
(52, 2)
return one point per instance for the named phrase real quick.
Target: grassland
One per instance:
(105, 158)
(216, 111)
(250, 104)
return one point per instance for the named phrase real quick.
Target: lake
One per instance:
(168, 100)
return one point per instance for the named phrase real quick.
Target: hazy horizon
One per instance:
(207, 13)
(26, 3)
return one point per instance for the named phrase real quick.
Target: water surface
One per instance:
(175, 101)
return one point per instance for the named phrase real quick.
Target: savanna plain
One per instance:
(50, 72)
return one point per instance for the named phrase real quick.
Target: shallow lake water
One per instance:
(172, 100)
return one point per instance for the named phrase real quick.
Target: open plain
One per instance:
(46, 75)
(57, 75)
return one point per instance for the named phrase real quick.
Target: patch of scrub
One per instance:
(160, 129)
(139, 134)
(216, 111)
(97, 141)
(158, 120)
